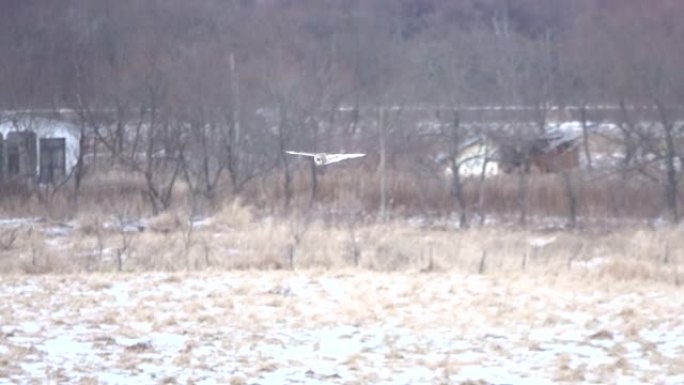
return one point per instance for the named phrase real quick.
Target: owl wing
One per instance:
(300, 153)
(333, 158)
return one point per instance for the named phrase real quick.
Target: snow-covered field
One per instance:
(344, 327)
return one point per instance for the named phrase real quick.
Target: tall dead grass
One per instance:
(600, 198)
(339, 227)
(353, 190)
(238, 237)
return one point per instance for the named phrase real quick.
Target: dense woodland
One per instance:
(221, 87)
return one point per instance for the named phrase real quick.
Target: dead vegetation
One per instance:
(113, 231)
(601, 198)
(238, 236)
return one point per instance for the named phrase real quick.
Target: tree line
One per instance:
(215, 90)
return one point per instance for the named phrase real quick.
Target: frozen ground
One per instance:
(345, 327)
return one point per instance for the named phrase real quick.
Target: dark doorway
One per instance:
(52, 160)
(21, 154)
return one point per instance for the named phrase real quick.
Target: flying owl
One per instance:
(323, 159)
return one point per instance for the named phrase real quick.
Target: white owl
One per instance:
(322, 159)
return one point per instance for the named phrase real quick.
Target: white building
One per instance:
(46, 128)
(474, 158)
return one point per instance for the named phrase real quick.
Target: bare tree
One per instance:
(163, 142)
(219, 88)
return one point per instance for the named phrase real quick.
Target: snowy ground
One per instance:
(345, 327)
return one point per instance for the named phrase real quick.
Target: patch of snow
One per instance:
(167, 342)
(59, 230)
(592, 263)
(64, 347)
(127, 225)
(202, 222)
(540, 242)
(30, 327)
(143, 327)
(494, 375)
(16, 222)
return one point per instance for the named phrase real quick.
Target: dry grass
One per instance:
(237, 237)
(354, 187)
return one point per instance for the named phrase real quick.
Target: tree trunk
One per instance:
(314, 169)
(571, 193)
(585, 135)
(481, 189)
(282, 138)
(314, 183)
(671, 180)
(79, 168)
(457, 193)
(234, 134)
(456, 185)
(522, 194)
(671, 190)
(383, 165)
(627, 130)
